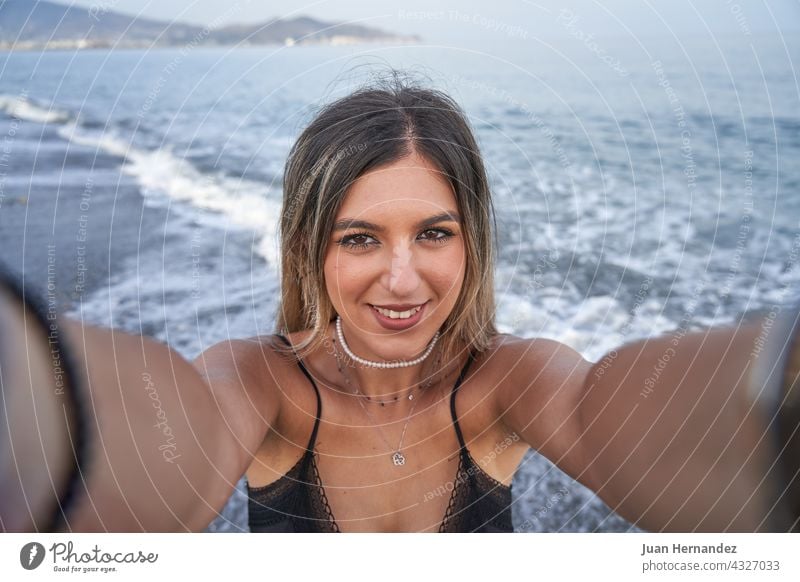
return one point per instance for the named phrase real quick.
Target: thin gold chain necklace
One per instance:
(398, 458)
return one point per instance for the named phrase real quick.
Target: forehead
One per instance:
(410, 186)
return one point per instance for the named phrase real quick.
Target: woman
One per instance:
(389, 379)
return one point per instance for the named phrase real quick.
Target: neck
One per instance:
(390, 385)
(385, 385)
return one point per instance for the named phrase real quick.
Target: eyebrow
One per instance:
(346, 223)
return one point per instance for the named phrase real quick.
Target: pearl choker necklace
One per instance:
(384, 365)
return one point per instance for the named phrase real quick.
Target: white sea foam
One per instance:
(21, 107)
(242, 203)
(591, 325)
(103, 140)
(164, 177)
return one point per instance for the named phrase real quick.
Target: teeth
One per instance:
(397, 314)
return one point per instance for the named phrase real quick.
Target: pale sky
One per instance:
(451, 20)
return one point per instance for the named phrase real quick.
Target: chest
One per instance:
(364, 487)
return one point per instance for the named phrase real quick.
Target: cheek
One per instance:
(449, 276)
(330, 272)
(341, 277)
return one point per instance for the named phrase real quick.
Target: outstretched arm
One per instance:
(681, 431)
(164, 447)
(674, 433)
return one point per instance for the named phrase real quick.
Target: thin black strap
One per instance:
(313, 438)
(453, 403)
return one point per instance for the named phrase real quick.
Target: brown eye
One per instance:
(437, 234)
(355, 241)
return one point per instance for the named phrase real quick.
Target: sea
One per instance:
(642, 186)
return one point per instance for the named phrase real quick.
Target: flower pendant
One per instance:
(398, 459)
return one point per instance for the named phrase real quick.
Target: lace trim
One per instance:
(287, 476)
(478, 501)
(478, 469)
(298, 499)
(322, 500)
(454, 497)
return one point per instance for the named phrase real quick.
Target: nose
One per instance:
(402, 279)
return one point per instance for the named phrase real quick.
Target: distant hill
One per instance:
(36, 24)
(303, 30)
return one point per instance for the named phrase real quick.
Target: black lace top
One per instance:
(297, 502)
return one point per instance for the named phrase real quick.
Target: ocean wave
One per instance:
(237, 203)
(79, 134)
(165, 176)
(22, 107)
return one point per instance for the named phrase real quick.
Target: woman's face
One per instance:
(395, 262)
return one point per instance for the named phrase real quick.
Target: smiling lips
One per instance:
(398, 312)
(398, 317)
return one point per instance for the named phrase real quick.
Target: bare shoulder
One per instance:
(244, 375)
(525, 353)
(242, 359)
(535, 372)
(534, 360)
(539, 395)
